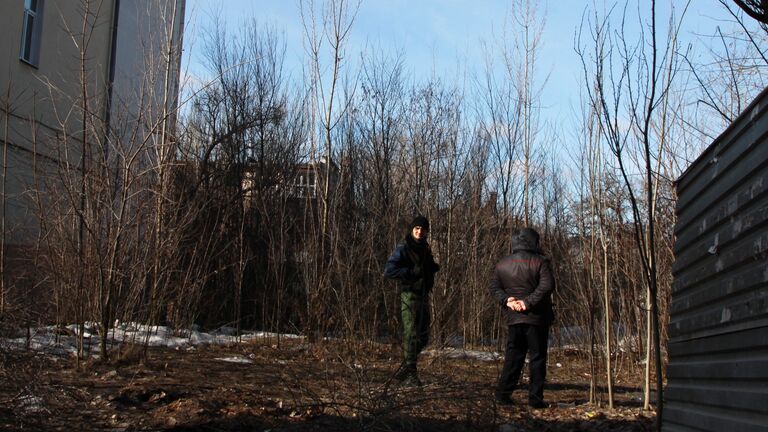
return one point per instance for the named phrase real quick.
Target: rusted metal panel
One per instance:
(718, 328)
(719, 383)
(721, 247)
(720, 153)
(696, 417)
(743, 210)
(721, 282)
(719, 257)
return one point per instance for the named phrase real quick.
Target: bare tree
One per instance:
(6, 115)
(328, 108)
(380, 121)
(247, 131)
(641, 80)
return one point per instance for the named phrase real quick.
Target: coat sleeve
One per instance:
(435, 267)
(497, 290)
(544, 288)
(397, 267)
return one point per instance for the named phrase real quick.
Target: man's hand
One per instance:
(516, 305)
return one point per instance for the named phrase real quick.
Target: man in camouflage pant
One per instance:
(414, 266)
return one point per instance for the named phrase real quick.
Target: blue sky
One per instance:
(439, 36)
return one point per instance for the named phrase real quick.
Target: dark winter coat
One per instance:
(415, 269)
(526, 275)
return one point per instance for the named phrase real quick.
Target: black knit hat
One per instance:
(420, 221)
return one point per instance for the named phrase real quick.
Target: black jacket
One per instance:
(413, 276)
(525, 275)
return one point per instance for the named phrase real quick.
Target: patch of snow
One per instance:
(31, 404)
(457, 353)
(226, 331)
(62, 342)
(235, 359)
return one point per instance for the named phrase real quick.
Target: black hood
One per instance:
(525, 239)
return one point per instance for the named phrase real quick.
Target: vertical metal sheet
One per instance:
(718, 330)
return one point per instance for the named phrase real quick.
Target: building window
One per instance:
(305, 187)
(30, 33)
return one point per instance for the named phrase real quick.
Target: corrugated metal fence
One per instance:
(718, 332)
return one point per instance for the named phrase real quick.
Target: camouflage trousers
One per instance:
(414, 309)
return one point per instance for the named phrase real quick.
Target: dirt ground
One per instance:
(294, 386)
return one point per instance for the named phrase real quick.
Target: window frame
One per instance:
(31, 32)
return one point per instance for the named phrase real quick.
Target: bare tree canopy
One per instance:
(757, 9)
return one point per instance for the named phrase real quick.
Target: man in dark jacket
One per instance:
(414, 266)
(523, 284)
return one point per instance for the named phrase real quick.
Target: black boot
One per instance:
(402, 373)
(408, 375)
(413, 379)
